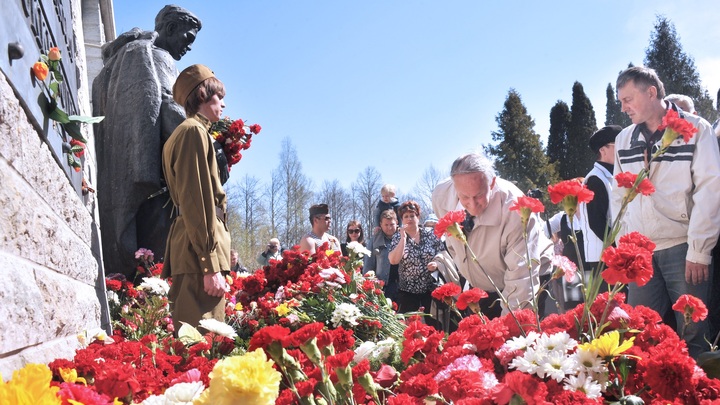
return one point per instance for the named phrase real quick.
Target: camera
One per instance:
(535, 193)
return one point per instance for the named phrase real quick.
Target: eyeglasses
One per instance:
(353, 231)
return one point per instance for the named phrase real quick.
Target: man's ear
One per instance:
(492, 184)
(170, 28)
(653, 91)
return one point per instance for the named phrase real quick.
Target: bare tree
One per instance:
(425, 186)
(296, 193)
(366, 193)
(254, 233)
(340, 203)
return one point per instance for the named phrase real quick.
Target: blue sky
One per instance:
(400, 85)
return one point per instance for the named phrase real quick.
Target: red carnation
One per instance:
(628, 179)
(340, 360)
(450, 224)
(692, 307)
(627, 263)
(446, 292)
(306, 333)
(114, 285)
(267, 335)
(570, 193)
(526, 206)
(471, 296)
(679, 126)
(255, 128)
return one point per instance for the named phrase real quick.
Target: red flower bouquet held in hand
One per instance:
(234, 136)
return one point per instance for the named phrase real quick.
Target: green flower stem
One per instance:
(534, 301)
(497, 290)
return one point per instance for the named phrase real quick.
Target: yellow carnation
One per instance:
(30, 385)
(246, 379)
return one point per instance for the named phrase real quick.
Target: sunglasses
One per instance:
(353, 231)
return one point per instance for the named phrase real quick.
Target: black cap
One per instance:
(603, 136)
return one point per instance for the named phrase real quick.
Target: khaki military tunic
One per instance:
(199, 240)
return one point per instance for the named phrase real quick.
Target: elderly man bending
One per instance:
(494, 233)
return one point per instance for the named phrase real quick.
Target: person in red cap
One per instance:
(198, 246)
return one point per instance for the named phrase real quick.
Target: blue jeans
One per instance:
(666, 286)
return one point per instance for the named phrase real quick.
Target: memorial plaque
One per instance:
(34, 26)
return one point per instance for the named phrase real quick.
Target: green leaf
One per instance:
(710, 363)
(85, 119)
(70, 159)
(73, 129)
(77, 149)
(54, 87)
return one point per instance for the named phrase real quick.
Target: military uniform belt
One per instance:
(218, 211)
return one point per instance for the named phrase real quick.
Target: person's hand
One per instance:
(696, 273)
(402, 229)
(214, 284)
(432, 266)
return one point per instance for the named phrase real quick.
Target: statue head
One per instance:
(177, 29)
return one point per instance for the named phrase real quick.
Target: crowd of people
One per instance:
(510, 257)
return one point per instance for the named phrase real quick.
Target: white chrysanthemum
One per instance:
(364, 351)
(219, 328)
(333, 277)
(155, 285)
(585, 384)
(527, 363)
(358, 248)
(184, 393)
(561, 342)
(347, 313)
(522, 343)
(556, 365)
(588, 360)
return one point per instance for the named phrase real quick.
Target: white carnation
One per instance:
(333, 277)
(219, 328)
(184, 393)
(364, 351)
(155, 285)
(358, 248)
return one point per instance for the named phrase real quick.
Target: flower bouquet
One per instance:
(234, 136)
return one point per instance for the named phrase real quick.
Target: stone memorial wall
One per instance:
(51, 273)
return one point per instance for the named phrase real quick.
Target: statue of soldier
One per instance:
(134, 93)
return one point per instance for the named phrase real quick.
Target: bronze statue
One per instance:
(134, 93)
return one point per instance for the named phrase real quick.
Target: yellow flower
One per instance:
(329, 252)
(70, 375)
(282, 309)
(238, 307)
(246, 379)
(30, 385)
(608, 345)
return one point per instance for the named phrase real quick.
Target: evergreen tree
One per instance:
(613, 110)
(582, 124)
(519, 155)
(558, 138)
(676, 69)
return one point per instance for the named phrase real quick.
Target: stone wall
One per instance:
(51, 280)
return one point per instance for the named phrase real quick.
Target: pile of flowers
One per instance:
(312, 329)
(234, 136)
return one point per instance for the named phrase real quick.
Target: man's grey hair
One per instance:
(473, 163)
(682, 101)
(173, 13)
(643, 77)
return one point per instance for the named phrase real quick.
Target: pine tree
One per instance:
(613, 110)
(558, 137)
(519, 155)
(582, 124)
(676, 69)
